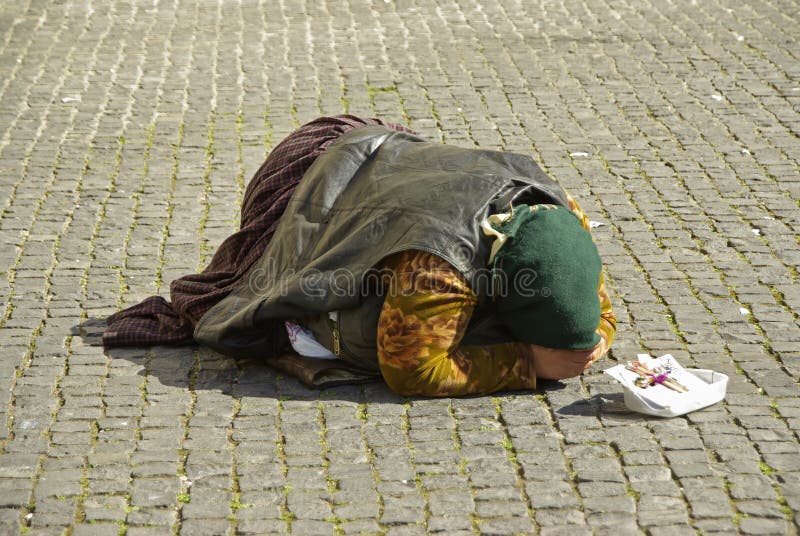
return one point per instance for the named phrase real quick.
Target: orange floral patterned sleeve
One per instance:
(424, 317)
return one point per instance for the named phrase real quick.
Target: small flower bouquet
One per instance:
(662, 387)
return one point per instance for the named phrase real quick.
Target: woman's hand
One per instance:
(555, 364)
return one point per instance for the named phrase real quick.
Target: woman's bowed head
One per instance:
(558, 312)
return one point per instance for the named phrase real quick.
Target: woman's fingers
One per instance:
(555, 364)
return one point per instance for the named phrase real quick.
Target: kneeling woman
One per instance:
(444, 270)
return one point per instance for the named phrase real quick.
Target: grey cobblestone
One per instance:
(128, 131)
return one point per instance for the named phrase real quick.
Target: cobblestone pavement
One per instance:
(128, 130)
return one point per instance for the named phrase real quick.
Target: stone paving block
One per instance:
(9, 518)
(611, 521)
(565, 530)
(261, 526)
(311, 505)
(678, 530)
(308, 526)
(506, 525)
(664, 488)
(205, 527)
(750, 487)
(396, 512)
(551, 518)
(609, 504)
(207, 505)
(361, 526)
(554, 495)
(109, 508)
(144, 531)
(601, 489)
(656, 511)
(155, 491)
(51, 522)
(357, 510)
(18, 465)
(759, 525)
(266, 504)
(14, 492)
(499, 508)
(144, 516)
(450, 525)
(96, 529)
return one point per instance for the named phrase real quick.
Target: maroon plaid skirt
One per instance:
(157, 321)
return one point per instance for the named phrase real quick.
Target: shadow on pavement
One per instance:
(196, 367)
(199, 368)
(609, 406)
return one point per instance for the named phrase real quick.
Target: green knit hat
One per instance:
(552, 270)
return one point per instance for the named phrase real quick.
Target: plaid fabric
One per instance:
(155, 320)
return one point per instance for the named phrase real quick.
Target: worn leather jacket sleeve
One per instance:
(425, 314)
